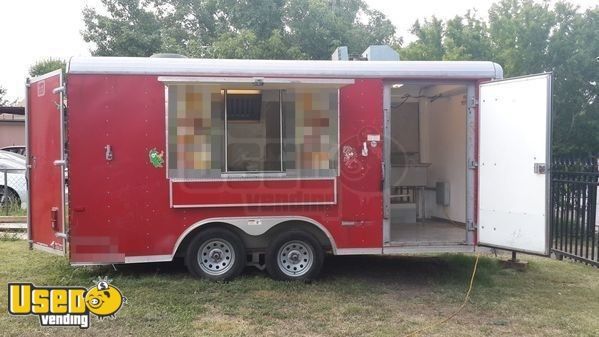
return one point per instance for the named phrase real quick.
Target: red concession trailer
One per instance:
(229, 163)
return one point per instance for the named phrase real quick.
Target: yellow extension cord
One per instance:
(414, 333)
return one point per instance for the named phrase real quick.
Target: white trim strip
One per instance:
(257, 81)
(423, 249)
(128, 260)
(28, 155)
(148, 258)
(301, 203)
(248, 178)
(63, 167)
(45, 76)
(47, 249)
(359, 251)
(335, 191)
(257, 204)
(89, 263)
(170, 193)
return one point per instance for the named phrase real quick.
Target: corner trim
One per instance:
(47, 249)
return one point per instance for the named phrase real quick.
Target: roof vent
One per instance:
(380, 53)
(168, 56)
(340, 54)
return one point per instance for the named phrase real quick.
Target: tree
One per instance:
(528, 37)
(520, 31)
(47, 65)
(318, 27)
(271, 29)
(3, 100)
(461, 38)
(467, 38)
(429, 44)
(128, 30)
(572, 51)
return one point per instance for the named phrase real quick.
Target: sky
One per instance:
(31, 30)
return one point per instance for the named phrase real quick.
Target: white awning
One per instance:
(285, 68)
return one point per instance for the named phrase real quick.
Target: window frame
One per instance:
(227, 173)
(260, 83)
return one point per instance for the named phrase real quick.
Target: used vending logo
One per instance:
(65, 306)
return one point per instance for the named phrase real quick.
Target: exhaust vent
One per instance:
(372, 53)
(340, 54)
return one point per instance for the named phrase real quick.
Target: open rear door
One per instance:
(514, 150)
(45, 162)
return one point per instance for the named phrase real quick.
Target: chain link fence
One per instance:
(13, 192)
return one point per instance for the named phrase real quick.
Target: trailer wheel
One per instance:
(215, 254)
(294, 255)
(10, 199)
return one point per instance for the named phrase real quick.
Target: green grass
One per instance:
(356, 296)
(12, 209)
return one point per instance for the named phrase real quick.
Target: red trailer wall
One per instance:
(121, 207)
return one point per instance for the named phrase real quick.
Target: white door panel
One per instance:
(514, 136)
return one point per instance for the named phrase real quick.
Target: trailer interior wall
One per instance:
(444, 146)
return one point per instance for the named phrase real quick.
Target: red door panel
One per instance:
(360, 197)
(44, 147)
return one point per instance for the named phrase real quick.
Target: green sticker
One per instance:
(156, 158)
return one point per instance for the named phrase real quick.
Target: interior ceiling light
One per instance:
(241, 91)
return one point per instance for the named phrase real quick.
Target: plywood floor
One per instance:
(428, 231)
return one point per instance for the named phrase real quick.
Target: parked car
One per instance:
(18, 149)
(12, 171)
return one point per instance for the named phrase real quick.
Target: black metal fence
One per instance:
(13, 192)
(574, 219)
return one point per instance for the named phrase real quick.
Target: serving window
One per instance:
(219, 131)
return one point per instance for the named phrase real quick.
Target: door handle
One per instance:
(540, 168)
(108, 153)
(54, 218)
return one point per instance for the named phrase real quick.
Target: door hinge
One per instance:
(473, 103)
(58, 90)
(470, 226)
(472, 164)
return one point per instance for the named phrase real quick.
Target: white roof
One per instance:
(286, 68)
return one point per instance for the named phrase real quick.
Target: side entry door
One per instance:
(514, 154)
(46, 162)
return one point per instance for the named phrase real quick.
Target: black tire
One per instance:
(222, 255)
(299, 266)
(11, 199)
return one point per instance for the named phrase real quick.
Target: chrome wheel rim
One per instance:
(295, 258)
(216, 257)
